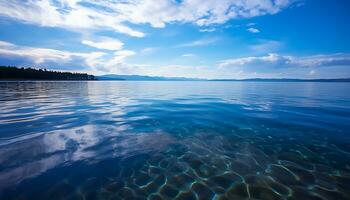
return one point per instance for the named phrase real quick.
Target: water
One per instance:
(174, 140)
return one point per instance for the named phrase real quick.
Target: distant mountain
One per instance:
(113, 77)
(284, 80)
(15, 73)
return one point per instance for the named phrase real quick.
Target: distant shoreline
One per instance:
(22, 74)
(251, 81)
(15, 74)
(43, 80)
(284, 80)
(116, 77)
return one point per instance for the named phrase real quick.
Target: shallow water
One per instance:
(174, 140)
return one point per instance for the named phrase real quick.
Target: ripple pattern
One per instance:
(127, 140)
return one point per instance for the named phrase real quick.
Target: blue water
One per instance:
(174, 140)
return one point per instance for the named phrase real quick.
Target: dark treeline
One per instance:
(9, 73)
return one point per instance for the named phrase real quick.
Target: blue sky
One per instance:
(181, 38)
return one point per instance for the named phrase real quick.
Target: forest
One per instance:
(15, 73)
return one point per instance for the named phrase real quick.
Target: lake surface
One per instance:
(174, 140)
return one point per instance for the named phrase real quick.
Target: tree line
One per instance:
(11, 72)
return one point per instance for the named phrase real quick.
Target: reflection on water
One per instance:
(174, 140)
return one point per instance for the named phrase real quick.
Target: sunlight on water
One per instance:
(174, 140)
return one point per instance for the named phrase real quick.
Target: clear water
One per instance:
(174, 140)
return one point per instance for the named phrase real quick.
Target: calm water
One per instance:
(174, 140)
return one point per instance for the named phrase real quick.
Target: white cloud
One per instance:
(312, 72)
(188, 55)
(200, 42)
(265, 46)
(251, 24)
(268, 66)
(244, 61)
(253, 30)
(148, 50)
(286, 66)
(116, 63)
(69, 14)
(6, 44)
(37, 55)
(324, 60)
(274, 60)
(190, 71)
(123, 54)
(107, 43)
(208, 30)
(114, 15)
(92, 61)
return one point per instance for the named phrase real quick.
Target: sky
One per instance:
(179, 38)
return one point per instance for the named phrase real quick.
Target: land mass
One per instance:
(116, 77)
(113, 77)
(284, 80)
(15, 73)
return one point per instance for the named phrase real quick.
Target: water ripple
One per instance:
(174, 140)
